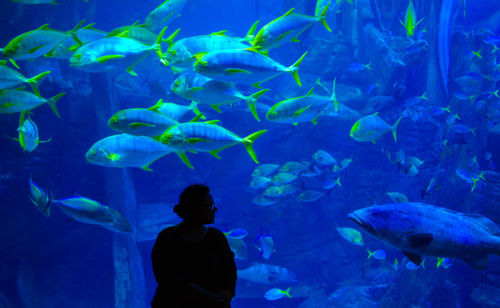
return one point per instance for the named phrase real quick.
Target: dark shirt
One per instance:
(178, 262)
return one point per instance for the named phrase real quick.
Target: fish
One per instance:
(176, 111)
(275, 294)
(92, 212)
(310, 195)
(265, 169)
(36, 43)
(421, 229)
(267, 274)
(67, 47)
(243, 66)
(378, 254)
(294, 167)
(351, 235)
(357, 67)
(126, 150)
(444, 263)
(369, 128)
(237, 233)
(10, 78)
(13, 101)
(113, 53)
(206, 137)
(204, 90)
(410, 22)
(239, 248)
(39, 198)
(284, 178)
(300, 109)
(397, 197)
(263, 201)
(470, 177)
(322, 157)
(28, 134)
(329, 183)
(181, 54)
(164, 13)
(265, 246)
(141, 122)
(286, 28)
(413, 267)
(259, 182)
(136, 32)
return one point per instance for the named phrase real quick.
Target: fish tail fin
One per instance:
(248, 142)
(370, 254)
(170, 39)
(294, 69)
(157, 44)
(333, 97)
(322, 17)
(52, 103)
(33, 81)
(252, 99)
(194, 106)
(394, 127)
(287, 292)
(182, 155)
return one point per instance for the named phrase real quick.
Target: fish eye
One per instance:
(177, 82)
(173, 52)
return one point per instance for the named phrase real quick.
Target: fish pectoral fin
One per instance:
(216, 108)
(300, 111)
(481, 263)
(417, 240)
(413, 257)
(136, 125)
(215, 153)
(231, 71)
(196, 140)
(104, 59)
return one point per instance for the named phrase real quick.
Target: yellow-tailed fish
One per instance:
(11, 78)
(243, 66)
(113, 53)
(286, 28)
(176, 111)
(369, 128)
(36, 43)
(410, 22)
(164, 14)
(140, 122)
(92, 212)
(137, 32)
(126, 150)
(275, 294)
(39, 198)
(28, 134)
(66, 48)
(204, 90)
(351, 235)
(12, 101)
(205, 137)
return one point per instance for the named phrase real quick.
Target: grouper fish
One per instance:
(423, 229)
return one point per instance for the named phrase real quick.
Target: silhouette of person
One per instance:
(192, 263)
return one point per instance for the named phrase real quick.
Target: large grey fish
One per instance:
(423, 229)
(267, 274)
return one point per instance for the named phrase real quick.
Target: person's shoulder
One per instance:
(167, 232)
(216, 232)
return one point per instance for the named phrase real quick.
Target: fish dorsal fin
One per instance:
(90, 27)
(413, 257)
(44, 27)
(156, 106)
(213, 122)
(487, 224)
(417, 240)
(199, 55)
(290, 11)
(220, 33)
(310, 92)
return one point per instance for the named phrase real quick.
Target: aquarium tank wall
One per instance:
(350, 147)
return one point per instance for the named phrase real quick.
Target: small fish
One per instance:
(470, 177)
(141, 122)
(294, 167)
(237, 233)
(265, 169)
(239, 248)
(12, 101)
(413, 267)
(164, 13)
(92, 212)
(330, 183)
(410, 21)
(395, 264)
(324, 158)
(176, 111)
(357, 67)
(265, 246)
(351, 235)
(378, 254)
(284, 178)
(443, 262)
(10, 78)
(267, 274)
(310, 196)
(259, 182)
(275, 294)
(397, 197)
(370, 128)
(263, 201)
(39, 198)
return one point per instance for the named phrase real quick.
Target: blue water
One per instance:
(57, 261)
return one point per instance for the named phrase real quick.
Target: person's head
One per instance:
(196, 205)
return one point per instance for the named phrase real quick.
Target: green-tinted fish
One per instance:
(286, 28)
(265, 169)
(35, 43)
(12, 101)
(300, 109)
(397, 197)
(243, 66)
(141, 122)
(410, 22)
(369, 128)
(66, 48)
(263, 201)
(204, 90)
(175, 111)
(181, 54)
(259, 182)
(28, 134)
(136, 32)
(205, 137)
(11, 78)
(294, 167)
(322, 157)
(113, 53)
(272, 192)
(39, 198)
(284, 178)
(351, 235)
(126, 150)
(92, 212)
(310, 195)
(239, 248)
(164, 14)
